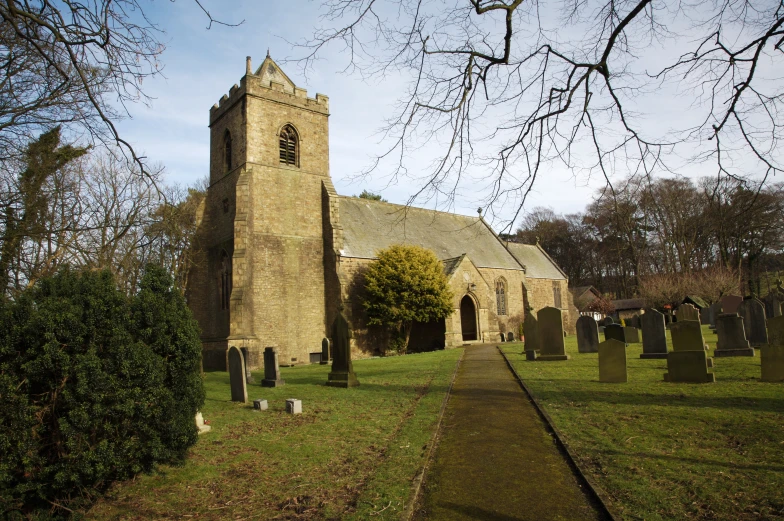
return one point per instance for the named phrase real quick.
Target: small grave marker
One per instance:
(294, 406)
(510, 337)
(260, 405)
(271, 369)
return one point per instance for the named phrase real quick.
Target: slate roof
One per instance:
(450, 265)
(538, 265)
(370, 226)
(578, 291)
(697, 301)
(629, 303)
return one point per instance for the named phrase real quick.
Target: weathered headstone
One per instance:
(688, 361)
(631, 335)
(325, 351)
(607, 321)
(753, 313)
(510, 337)
(203, 427)
(342, 374)
(687, 312)
(239, 391)
(260, 405)
(294, 406)
(551, 339)
(688, 367)
(687, 336)
(615, 332)
(531, 331)
(731, 337)
(503, 338)
(587, 335)
(612, 362)
(715, 311)
(654, 336)
(772, 355)
(271, 369)
(705, 316)
(772, 305)
(248, 376)
(730, 303)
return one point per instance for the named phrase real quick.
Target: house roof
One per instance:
(581, 290)
(629, 303)
(538, 265)
(370, 226)
(697, 301)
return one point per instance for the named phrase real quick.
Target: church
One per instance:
(279, 250)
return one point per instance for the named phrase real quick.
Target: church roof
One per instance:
(370, 226)
(538, 265)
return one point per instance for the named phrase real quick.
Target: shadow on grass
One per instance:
(643, 399)
(695, 461)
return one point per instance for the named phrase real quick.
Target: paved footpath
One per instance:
(495, 459)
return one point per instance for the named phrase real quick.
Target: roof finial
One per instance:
(247, 65)
(267, 52)
(479, 211)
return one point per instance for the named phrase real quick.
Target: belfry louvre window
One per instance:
(500, 297)
(288, 146)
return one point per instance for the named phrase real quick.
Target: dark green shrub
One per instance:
(95, 388)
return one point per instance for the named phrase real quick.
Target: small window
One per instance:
(225, 281)
(556, 294)
(500, 296)
(288, 146)
(227, 150)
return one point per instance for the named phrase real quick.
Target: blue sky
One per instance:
(200, 65)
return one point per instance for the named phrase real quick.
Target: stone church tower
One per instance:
(260, 278)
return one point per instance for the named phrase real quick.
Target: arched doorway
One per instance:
(468, 318)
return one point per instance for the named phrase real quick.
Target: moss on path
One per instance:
(495, 459)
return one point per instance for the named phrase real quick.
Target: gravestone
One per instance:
(612, 362)
(688, 367)
(246, 356)
(260, 405)
(531, 331)
(503, 338)
(510, 337)
(634, 321)
(342, 374)
(614, 332)
(551, 339)
(203, 427)
(705, 316)
(688, 361)
(587, 335)
(631, 335)
(687, 336)
(753, 313)
(271, 369)
(607, 321)
(731, 337)
(730, 303)
(715, 311)
(531, 355)
(239, 391)
(772, 305)
(687, 312)
(772, 355)
(654, 336)
(325, 351)
(294, 406)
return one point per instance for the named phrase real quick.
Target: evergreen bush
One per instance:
(95, 387)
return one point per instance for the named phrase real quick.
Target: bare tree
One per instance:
(513, 87)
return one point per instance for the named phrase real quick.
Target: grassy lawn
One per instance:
(670, 451)
(352, 454)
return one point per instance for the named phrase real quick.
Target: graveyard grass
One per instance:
(668, 450)
(352, 454)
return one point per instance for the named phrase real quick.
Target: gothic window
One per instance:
(225, 281)
(288, 146)
(227, 150)
(556, 294)
(500, 296)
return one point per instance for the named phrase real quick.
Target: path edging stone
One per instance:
(410, 509)
(599, 495)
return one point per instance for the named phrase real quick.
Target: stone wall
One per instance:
(540, 295)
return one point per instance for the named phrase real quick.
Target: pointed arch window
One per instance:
(500, 296)
(227, 150)
(225, 280)
(289, 146)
